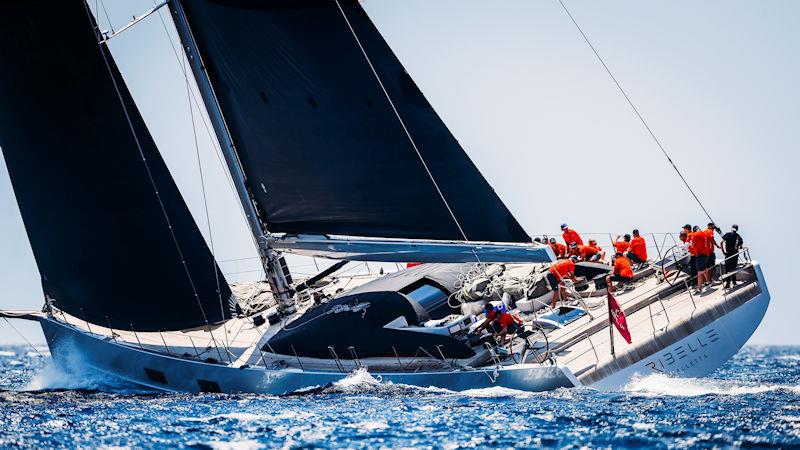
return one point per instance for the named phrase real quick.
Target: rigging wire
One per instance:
(105, 13)
(635, 109)
(23, 337)
(205, 204)
(128, 119)
(405, 129)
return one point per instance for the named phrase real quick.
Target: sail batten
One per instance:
(333, 135)
(113, 239)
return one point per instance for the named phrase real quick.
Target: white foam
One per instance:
(662, 385)
(643, 426)
(496, 392)
(7, 353)
(370, 425)
(235, 445)
(71, 373)
(358, 378)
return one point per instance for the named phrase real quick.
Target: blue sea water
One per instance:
(753, 401)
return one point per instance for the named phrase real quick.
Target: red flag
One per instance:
(617, 316)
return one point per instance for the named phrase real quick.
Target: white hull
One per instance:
(695, 353)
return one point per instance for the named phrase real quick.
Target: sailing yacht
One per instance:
(334, 153)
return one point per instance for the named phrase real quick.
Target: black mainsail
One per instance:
(328, 145)
(114, 241)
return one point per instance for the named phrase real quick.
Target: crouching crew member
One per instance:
(622, 246)
(637, 250)
(560, 270)
(592, 252)
(559, 249)
(622, 271)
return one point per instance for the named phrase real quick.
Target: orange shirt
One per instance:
(587, 251)
(571, 235)
(700, 243)
(638, 247)
(688, 240)
(710, 235)
(622, 267)
(563, 269)
(559, 249)
(507, 319)
(621, 246)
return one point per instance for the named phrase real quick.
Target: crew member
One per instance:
(622, 246)
(712, 257)
(699, 241)
(505, 324)
(592, 252)
(687, 242)
(559, 249)
(731, 246)
(622, 271)
(570, 235)
(637, 250)
(574, 249)
(491, 312)
(560, 270)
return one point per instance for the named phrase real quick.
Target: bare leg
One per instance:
(555, 298)
(609, 286)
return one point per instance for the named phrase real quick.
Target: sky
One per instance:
(534, 109)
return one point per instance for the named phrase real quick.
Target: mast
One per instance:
(270, 259)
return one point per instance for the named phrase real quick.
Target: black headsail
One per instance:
(99, 231)
(325, 149)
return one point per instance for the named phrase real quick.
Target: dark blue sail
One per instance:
(111, 234)
(324, 147)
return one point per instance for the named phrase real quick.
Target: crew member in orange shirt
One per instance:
(591, 252)
(559, 249)
(574, 249)
(685, 237)
(570, 235)
(699, 242)
(712, 257)
(622, 246)
(560, 270)
(637, 251)
(622, 272)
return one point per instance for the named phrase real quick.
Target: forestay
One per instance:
(113, 239)
(333, 135)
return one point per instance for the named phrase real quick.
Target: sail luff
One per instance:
(270, 259)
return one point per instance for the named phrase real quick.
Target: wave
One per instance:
(361, 381)
(496, 392)
(247, 444)
(663, 385)
(73, 373)
(7, 353)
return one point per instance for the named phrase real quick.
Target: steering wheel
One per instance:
(672, 279)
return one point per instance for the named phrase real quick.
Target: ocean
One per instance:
(752, 401)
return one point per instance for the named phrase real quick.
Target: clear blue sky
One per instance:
(716, 80)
